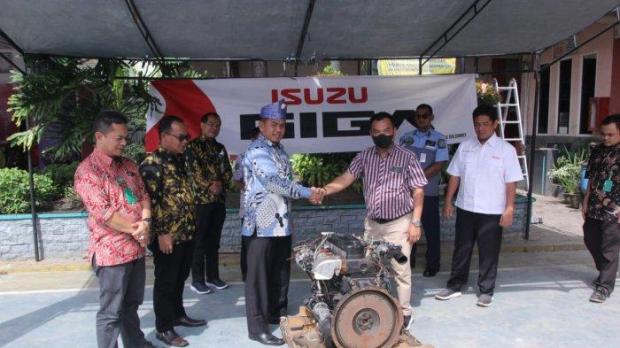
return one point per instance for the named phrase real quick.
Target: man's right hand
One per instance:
(584, 209)
(448, 209)
(216, 187)
(165, 243)
(317, 195)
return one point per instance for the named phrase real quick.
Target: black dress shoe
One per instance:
(189, 322)
(267, 338)
(149, 344)
(430, 272)
(171, 338)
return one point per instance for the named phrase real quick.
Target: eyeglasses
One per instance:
(181, 137)
(423, 115)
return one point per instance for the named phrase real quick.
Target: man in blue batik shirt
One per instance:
(266, 229)
(432, 151)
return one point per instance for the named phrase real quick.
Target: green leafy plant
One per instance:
(135, 151)
(320, 169)
(15, 193)
(487, 93)
(64, 95)
(61, 174)
(567, 169)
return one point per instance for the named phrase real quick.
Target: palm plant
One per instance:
(63, 96)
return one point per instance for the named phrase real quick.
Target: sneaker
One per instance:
(484, 300)
(599, 295)
(407, 322)
(217, 283)
(447, 293)
(201, 288)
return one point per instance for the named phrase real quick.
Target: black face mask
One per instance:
(383, 141)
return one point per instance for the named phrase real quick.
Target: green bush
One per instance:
(15, 193)
(320, 169)
(135, 151)
(61, 174)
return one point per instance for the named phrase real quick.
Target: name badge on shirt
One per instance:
(423, 157)
(608, 185)
(130, 196)
(397, 169)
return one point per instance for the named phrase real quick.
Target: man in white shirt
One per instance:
(486, 170)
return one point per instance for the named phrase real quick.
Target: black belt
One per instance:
(385, 221)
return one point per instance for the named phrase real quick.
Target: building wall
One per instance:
(603, 48)
(66, 235)
(614, 105)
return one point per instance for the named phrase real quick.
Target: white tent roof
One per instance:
(271, 29)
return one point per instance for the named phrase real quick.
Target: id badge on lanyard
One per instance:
(608, 184)
(130, 197)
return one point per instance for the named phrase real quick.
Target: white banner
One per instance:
(326, 114)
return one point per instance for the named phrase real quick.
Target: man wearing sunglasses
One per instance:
(210, 173)
(172, 200)
(432, 151)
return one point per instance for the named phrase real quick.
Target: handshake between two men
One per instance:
(318, 193)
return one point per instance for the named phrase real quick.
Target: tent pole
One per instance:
(33, 210)
(11, 42)
(528, 215)
(144, 30)
(304, 32)
(12, 63)
(476, 7)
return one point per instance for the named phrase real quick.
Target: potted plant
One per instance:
(566, 173)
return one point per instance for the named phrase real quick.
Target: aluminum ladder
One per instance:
(509, 100)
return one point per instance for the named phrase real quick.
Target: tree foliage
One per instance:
(66, 94)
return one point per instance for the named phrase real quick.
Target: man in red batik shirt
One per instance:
(119, 213)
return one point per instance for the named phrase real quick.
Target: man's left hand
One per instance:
(141, 232)
(506, 219)
(414, 234)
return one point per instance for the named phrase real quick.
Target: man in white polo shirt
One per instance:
(486, 170)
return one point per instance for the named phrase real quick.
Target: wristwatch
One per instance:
(148, 220)
(416, 223)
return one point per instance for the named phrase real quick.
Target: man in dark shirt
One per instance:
(210, 173)
(172, 201)
(601, 208)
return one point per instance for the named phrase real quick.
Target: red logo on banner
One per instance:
(315, 96)
(184, 99)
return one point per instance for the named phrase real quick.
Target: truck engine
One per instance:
(350, 303)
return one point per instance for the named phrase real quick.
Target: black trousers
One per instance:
(171, 271)
(267, 280)
(209, 222)
(602, 239)
(431, 226)
(484, 230)
(121, 291)
(243, 262)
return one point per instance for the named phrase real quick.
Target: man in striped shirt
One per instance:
(393, 191)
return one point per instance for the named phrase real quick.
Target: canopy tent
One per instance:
(293, 31)
(297, 30)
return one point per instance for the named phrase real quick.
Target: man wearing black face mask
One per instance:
(393, 191)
